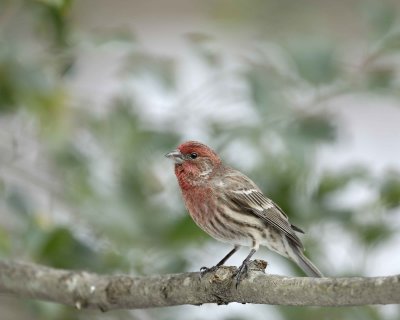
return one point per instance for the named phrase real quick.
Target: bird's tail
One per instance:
(305, 264)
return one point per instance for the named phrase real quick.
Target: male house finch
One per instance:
(231, 208)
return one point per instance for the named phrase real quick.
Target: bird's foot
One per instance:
(241, 271)
(204, 270)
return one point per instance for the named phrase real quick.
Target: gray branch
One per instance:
(89, 290)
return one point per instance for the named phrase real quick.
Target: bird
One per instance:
(231, 208)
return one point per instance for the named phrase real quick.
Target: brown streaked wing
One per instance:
(249, 197)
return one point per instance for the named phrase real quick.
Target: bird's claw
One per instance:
(241, 271)
(204, 270)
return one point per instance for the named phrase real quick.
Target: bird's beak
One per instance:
(175, 155)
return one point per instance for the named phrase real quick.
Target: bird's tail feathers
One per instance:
(305, 264)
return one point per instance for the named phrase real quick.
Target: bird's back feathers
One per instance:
(245, 193)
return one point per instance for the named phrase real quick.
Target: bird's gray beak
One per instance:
(175, 155)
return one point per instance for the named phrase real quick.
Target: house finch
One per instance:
(231, 208)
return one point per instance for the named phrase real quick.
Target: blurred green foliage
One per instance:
(390, 189)
(315, 61)
(61, 250)
(109, 204)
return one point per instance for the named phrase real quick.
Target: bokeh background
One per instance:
(303, 96)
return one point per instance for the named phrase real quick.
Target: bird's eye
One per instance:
(193, 155)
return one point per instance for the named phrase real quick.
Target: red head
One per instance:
(194, 163)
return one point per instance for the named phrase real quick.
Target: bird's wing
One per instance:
(244, 193)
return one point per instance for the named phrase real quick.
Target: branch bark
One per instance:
(89, 290)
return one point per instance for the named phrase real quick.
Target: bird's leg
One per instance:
(230, 253)
(204, 270)
(244, 267)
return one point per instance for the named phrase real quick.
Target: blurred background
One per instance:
(303, 96)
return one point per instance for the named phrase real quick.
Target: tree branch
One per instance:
(89, 290)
